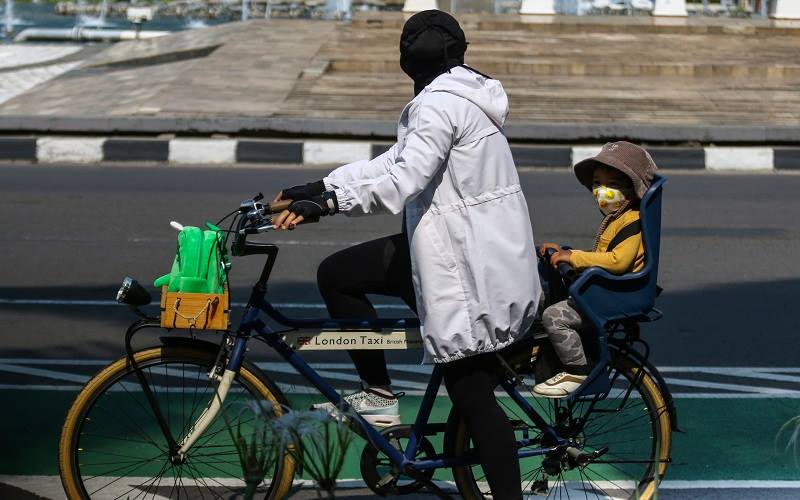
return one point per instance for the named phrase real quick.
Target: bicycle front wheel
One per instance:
(629, 432)
(112, 446)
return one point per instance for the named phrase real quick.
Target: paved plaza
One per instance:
(583, 71)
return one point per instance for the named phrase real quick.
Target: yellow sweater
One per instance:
(627, 256)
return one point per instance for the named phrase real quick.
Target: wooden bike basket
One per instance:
(200, 311)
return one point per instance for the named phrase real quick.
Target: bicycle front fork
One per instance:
(232, 351)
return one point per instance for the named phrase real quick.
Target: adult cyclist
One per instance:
(465, 259)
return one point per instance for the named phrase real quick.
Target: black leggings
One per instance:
(383, 267)
(471, 382)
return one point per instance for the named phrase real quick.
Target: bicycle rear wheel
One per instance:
(632, 423)
(112, 447)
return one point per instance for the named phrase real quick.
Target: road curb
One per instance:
(319, 152)
(385, 129)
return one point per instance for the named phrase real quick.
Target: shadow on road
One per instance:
(728, 324)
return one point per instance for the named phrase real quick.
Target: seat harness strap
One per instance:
(626, 232)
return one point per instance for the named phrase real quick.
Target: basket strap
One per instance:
(191, 319)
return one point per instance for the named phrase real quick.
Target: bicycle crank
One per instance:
(385, 478)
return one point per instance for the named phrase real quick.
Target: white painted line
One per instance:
(69, 150)
(731, 370)
(728, 484)
(747, 159)
(754, 374)
(56, 302)
(202, 151)
(733, 395)
(278, 305)
(44, 361)
(38, 372)
(50, 486)
(580, 153)
(291, 389)
(702, 384)
(85, 239)
(40, 387)
(739, 371)
(414, 388)
(335, 152)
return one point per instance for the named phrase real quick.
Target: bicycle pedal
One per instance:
(540, 487)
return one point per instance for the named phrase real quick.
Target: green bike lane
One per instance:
(723, 439)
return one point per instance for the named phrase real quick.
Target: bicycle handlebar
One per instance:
(256, 218)
(279, 206)
(568, 274)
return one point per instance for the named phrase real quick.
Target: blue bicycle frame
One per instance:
(252, 323)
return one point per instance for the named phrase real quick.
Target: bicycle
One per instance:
(152, 419)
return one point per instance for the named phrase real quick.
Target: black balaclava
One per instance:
(432, 42)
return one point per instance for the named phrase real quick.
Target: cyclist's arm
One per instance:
(362, 169)
(618, 261)
(428, 141)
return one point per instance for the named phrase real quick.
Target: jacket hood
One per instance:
(486, 93)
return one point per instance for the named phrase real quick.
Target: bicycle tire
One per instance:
(112, 379)
(457, 444)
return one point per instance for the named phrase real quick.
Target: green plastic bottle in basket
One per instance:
(201, 261)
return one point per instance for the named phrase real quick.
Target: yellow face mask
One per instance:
(608, 199)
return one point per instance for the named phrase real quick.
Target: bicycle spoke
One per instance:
(128, 471)
(196, 482)
(136, 428)
(174, 483)
(621, 423)
(118, 443)
(604, 478)
(212, 479)
(152, 481)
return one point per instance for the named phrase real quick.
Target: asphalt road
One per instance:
(727, 344)
(729, 263)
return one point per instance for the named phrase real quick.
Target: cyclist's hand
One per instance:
(560, 256)
(544, 246)
(287, 220)
(301, 192)
(307, 211)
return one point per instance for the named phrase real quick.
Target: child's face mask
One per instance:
(608, 199)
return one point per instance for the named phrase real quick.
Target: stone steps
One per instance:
(494, 66)
(592, 54)
(695, 25)
(567, 99)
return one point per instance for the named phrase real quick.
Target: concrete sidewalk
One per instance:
(710, 82)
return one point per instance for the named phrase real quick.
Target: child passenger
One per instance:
(618, 177)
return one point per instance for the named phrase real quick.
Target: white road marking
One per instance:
(50, 486)
(105, 303)
(148, 239)
(728, 387)
(28, 366)
(38, 372)
(729, 484)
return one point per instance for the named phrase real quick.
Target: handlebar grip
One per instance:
(279, 206)
(566, 270)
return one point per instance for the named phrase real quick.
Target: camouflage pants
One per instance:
(561, 322)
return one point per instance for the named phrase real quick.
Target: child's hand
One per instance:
(560, 256)
(544, 246)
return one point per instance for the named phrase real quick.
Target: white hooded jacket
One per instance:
(472, 252)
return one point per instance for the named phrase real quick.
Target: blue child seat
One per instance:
(605, 298)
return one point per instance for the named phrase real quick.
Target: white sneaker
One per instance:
(376, 408)
(559, 385)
